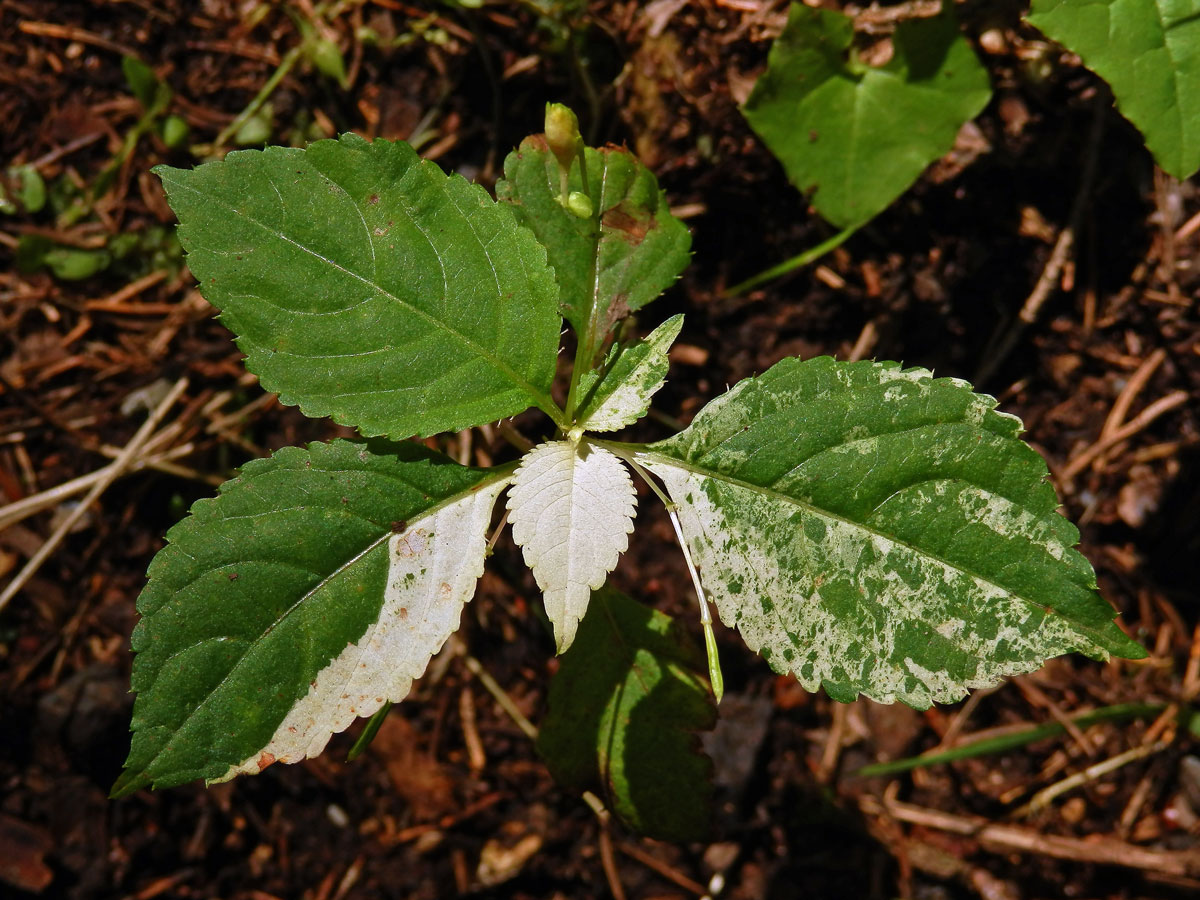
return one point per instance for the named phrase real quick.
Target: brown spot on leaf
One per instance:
(633, 228)
(535, 142)
(617, 310)
(373, 199)
(265, 759)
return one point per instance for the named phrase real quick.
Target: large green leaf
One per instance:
(625, 707)
(876, 530)
(855, 137)
(1149, 52)
(609, 264)
(313, 589)
(367, 285)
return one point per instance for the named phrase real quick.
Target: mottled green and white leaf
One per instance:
(1149, 53)
(625, 707)
(875, 530)
(367, 285)
(854, 137)
(269, 595)
(571, 507)
(620, 394)
(609, 264)
(434, 562)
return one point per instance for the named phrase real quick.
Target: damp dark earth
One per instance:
(1035, 232)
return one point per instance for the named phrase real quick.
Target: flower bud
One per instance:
(579, 204)
(562, 134)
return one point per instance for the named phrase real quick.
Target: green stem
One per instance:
(803, 259)
(1001, 743)
(716, 679)
(587, 346)
(369, 732)
(285, 66)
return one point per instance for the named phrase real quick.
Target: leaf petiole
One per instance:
(710, 640)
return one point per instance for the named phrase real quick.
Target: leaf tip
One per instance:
(128, 782)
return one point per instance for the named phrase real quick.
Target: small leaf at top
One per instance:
(142, 81)
(624, 709)
(875, 530)
(1149, 53)
(312, 590)
(609, 264)
(854, 137)
(572, 508)
(632, 374)
(367, 285)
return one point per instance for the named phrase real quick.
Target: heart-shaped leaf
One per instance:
(855, 137)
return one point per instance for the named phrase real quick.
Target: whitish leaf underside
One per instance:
(632, 375)
(877, 531)
(434, 563)
(571, 507)
(369, 286)
(262, 587)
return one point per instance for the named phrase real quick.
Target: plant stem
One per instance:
(710, 640)
(803, 259)
(369, 732)
(586, 346)
(1001, 743)
(285, 66)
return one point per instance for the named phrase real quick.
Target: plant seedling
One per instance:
(867, 528)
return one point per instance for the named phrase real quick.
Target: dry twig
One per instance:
(111, 473)
(1014, 838)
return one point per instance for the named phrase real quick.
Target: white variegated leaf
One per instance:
(876, 530)
(632, 375)
(433, 566)
(572, 508)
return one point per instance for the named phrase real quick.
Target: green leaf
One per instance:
(878, 531)
(612, 263)
(326, 56)
(367, 285)
(855, 137)
(23, 184)
(141, 80)
(625, 707)
(1149, 53)
(312, 590)
(620, 395)
(572, 506)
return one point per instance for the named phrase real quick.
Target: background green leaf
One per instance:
(258, 589)
(876, 530)
(625, 707)
(854, 137)
(367, 285)
(606, 266)
(1149, 53)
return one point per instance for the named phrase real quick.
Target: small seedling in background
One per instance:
(866, 528)
(853, 137)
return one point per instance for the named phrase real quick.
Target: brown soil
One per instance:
(447, 802)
